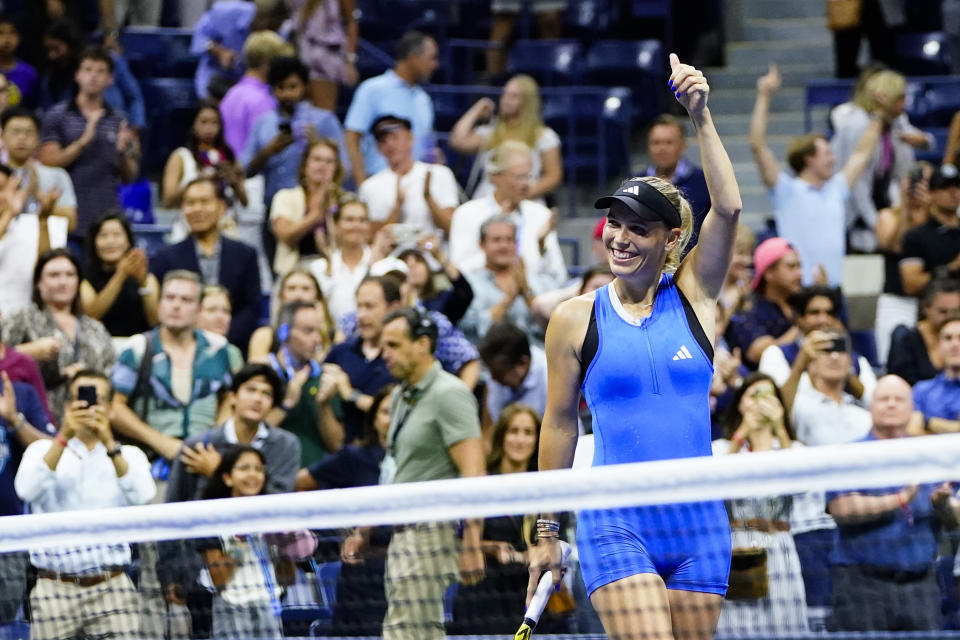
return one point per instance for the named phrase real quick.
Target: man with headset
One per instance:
(434, 434)
(306, 410)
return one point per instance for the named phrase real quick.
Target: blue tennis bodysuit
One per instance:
(647, 384)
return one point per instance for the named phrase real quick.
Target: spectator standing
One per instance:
(914, 355)
(938, 399)
(516, 370)
(91, 140)
(302, 217)
(519, 119)
(666, 144)
(416, 194)
(304, 410)
(890, 160)
(810, 206)
(360, 369)
(894, 306)
(206, 152)
(218, 259)
(501, 288)
(887, 538)
(878, 21)
(434, 434)
(23, 76)
(219, 36)
(933, 249)
(39, 207)
(538, 246)
(250, 97)
(396, 91)
(96, 472)
(768, 318)
(55, 332)
(23, 420)
(118, 288)
(168, 379)
(341, 272)
(326, 33)
(281, 138)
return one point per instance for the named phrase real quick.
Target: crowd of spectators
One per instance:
(402, 301)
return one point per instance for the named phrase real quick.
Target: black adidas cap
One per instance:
(645, 201)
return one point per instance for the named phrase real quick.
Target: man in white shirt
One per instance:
(341, 273)
(410, 192)
(824, 413)
(537, 243)
(40, 208)
(84, 468)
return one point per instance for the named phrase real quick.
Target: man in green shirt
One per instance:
(304, 410)
(434, 434)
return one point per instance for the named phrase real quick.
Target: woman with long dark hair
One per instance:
(54, 330)
(206, 151)
(118, 288)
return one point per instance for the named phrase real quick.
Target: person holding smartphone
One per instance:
(83, 467)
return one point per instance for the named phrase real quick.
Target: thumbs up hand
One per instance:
(688, 86)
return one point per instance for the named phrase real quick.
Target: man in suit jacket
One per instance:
(218, 259)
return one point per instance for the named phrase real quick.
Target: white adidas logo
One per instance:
(683, 353)
(635, 190)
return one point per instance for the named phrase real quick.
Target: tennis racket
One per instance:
(540, 597)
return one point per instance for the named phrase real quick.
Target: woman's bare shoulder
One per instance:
(569, 320)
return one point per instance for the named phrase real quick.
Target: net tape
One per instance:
(862, 465)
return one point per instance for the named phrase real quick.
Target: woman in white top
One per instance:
(302, 217)
(519, 119)
(206, 150)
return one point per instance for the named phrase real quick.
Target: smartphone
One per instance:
(916, 176)
(285, 127)
(838, 344)
(88, 394)
(405, 233)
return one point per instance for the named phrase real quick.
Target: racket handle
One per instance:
(544, 589)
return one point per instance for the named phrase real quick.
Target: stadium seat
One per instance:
(922, 53)
(153, 51)
(326, 574)
(639, 64)
(551, 62)
(589, 19)
(170, 104)
(864, 342)
(151, 237)
(826, 93)
(937, 103)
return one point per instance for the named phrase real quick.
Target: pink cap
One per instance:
(766, 255)
(598, 230)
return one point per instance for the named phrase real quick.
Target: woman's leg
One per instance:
(694, 614)
(635, 608)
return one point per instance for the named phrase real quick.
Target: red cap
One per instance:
(598, 230)
(766, 255)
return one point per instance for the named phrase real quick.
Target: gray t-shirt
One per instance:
(427, 419)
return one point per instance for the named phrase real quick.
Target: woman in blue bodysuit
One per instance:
(640, 350)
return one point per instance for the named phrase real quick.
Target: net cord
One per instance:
(861, 465)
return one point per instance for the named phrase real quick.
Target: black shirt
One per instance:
(932, 243)
(126, 316)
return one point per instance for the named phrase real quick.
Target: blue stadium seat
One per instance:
(937, 103)
(327, 574)
(154, 51)
(589, 19)
(151, 237)
(551, 62)
(640, 64)
(170, 103)
(922, 53)
(864, 342)
(824, 93)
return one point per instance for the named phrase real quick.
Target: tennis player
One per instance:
(641, 351)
